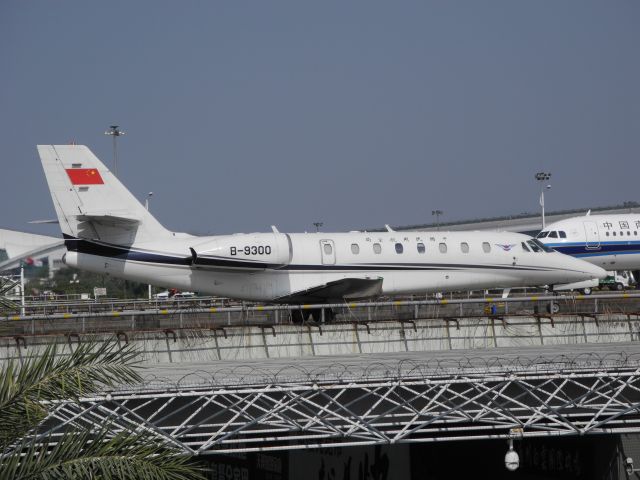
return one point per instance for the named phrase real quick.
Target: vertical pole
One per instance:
(542, 204)
(146, 205)
(115, 156)
(22, 309)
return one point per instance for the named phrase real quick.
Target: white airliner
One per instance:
(107, 230)
(609, 241)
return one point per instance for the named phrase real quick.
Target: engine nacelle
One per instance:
(70, 259)
(259, 250)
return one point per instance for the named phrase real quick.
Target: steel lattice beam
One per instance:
(378, 405)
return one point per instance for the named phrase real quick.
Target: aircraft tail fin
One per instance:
(91, 202)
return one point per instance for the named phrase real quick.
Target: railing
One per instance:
(114, 317)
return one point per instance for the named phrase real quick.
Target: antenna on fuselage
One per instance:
(389, 229)
(588, 212)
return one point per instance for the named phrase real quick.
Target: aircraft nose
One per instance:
(594, 271)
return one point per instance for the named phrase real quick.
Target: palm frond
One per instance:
(98, 454)
(49, 376)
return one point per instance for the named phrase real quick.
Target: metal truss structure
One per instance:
(6, 285)
(363, 402)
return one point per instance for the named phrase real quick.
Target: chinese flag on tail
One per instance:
(85, 176)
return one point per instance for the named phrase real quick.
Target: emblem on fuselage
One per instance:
(506, 248)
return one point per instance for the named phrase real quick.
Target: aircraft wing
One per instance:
(15, 261)
(336, 291)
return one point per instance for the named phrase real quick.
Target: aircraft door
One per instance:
(592, 234)
(328, 252)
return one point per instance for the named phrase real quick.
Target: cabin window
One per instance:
(421, 248)
(443, 248)
(542, 234)
(635, 233)
(464, 246)
(553, 234)
(486, 247)
(377, 248)
(525, 248)
(562, 234)
(614, 234)
(399, 248)
(607, 234)
(628, 233)
(327, 249)
(355, 248)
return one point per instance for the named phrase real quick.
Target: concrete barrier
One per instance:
(286, 340)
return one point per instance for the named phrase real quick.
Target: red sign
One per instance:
(85, 176)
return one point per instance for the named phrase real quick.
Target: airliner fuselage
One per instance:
(609, 241)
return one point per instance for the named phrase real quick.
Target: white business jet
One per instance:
(107, 230)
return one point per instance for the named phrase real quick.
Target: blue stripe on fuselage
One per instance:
(579, 249)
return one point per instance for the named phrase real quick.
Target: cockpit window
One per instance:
(553, 234)
(542, 246)
(542, 234)
(562, 234)
(533, 246)
(525, 248)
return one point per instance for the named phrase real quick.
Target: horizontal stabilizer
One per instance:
(44, 222)
(108, 219)
(338, 290)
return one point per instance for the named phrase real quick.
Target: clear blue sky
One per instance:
(240, 115)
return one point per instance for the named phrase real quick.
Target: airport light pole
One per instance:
(115, 132)
(543, 177)
(146, 201)
(146, 205)
(318, 225)
(437, 213)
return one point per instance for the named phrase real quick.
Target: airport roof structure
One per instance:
(526, 222)
(339, 401)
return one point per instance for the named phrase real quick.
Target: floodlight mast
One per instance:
(146, 201)
(115, 132)
(437, 213)
(146, 205)
(543, 177)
